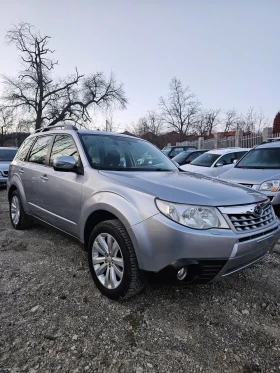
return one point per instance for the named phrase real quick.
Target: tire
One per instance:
(113, 234)
(20, 221)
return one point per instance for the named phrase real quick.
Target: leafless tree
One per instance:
(151, 123)
(230, 121)
(45, 100)
(207, 121)
(212, 119)
(180, 108)
(6, 125)
(261, 121)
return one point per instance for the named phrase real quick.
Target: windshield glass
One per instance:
(124, 154)
(261, 158)
(7, 155)
(179, 158)
(166, 150)
(205, 160)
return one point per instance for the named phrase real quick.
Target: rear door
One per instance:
(61, 191)
(35, 168)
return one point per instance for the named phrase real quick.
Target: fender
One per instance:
(15, 181)
(123, 209)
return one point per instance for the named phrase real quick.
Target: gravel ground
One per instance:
(53, 319)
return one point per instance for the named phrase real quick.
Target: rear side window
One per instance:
(227, 159)
(23, 150)
(64, 145)
(239, 155)
(176, 151)
(40, 149)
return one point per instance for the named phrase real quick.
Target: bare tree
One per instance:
(151, 123)
(212, 119)
(231, 120)
(207, 121)
(261, 121)
(180, 108)
(45, 100)
(6, 124)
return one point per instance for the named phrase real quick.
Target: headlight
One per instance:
(197, 217)
(271, 185)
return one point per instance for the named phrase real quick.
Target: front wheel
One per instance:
(112, 261)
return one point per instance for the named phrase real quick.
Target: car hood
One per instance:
(249, 176)
(4, 166)
(184, 187)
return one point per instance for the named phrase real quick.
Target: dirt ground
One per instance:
(53, 319)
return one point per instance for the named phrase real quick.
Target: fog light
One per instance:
(182, 273)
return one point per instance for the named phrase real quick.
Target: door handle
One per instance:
(21, 170)
(44, 177)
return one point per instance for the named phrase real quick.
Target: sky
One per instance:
(226, 51)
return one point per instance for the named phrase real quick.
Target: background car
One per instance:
(6, 157)
(215, 162)
(172, 151)
(188, 156)
(260, 170)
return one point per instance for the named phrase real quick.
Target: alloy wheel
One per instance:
(107, 260)
(15, 210)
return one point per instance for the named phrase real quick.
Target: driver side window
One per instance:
(64, 145)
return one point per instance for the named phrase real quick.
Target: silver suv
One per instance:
(136, 218)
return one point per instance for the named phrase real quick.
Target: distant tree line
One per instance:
(182, 112)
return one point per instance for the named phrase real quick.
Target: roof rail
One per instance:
(63, 126)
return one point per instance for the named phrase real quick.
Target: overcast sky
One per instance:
(227, 51)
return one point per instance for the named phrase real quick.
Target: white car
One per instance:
(6, 157)
(215, 162)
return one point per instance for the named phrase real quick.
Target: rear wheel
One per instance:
(18, 217)
(112, 261)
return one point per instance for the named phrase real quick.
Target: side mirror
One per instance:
(235, 161)
(219, 164)
(64, 163)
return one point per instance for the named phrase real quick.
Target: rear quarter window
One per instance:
(24, 149)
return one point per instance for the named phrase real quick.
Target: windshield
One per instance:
(166, 150)
(124, 154)
(7, 155)
(261, 158)
(179, 158)
(205, 160)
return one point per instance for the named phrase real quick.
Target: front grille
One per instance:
(250, 222)
(5, 173)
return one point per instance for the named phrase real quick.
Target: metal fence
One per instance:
(252, 140)
(209, 144)
(227, 142)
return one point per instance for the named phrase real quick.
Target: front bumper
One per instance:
(3, 180)
(161, 243)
